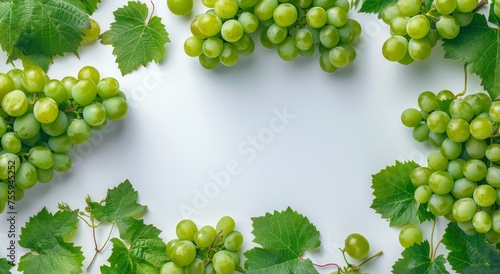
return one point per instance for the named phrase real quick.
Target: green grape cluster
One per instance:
(206, 250)
(224, 31)
(462, 178)
(42, 118)
(416, 30)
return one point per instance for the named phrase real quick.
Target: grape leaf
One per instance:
(8, 25)
(470, 254)
(145, 255)
(5, 266)
(393, 193)
(120, 207)
(284, 236)
(135, 41)
(416, 260)
(45, 234)
(375, 6)
(90, 5)
(478, 45)
(59, 26)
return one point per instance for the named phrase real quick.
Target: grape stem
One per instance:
(349, 268)
(481, 3)
(152, 11)
(465, 82)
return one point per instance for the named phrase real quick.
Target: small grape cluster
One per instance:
(462, 179)
(207, 250)
(416, 30)
(223, 32)
(41, 119)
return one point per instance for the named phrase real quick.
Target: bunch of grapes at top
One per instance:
(207, 250)
(415, 30)
(224, 32)
(41, 119)
(462, 178)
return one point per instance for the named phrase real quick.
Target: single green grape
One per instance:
(46, 110)
(285, 14)
(356, 246)
(180, 7)
(183, 253)
(41, 157)
(225, 225)
(89, 72)
(223, 263)
(411, 117)
(15, 103)
(233, 240)
(464, 209)
(186, 229)
(409, 235)
(33, 78)
(93, 31)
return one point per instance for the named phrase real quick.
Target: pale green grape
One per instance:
(461, 109)
(249, 49)
(493, 176)
(9, 163)
(26, 175)
(398, 25)
(421, 133)
(276, 34)
(464, 209)
(78, 131)
(89, 72)
(285, 14)
(209, 24)
(448, 27)
(171, 268)
(316, 17)
(180, 7)
(186, 229)
(339, 57)
(205, 236)
(208, 62)
(94, 114)
(41, 157)
(225, 9)
(427, 101)
(195, 28)
(408, 7)
(92, 32)
(324, 62)
(243, 42)
(69, 82)
(62, 162)
(329, 36)
(3, 126)
(44, 175)
(58, 126)
(344, 4)
(463, 18)
(356, 246)
(303, 39)
(494, 111)
(45, 110)
(481, 128)
(225, 225)
(210, 3)
(422, 194)
(395, 48)
(411, 117)
(496, 9)
(450, 149)
(433, 36)
(326, 4)
(458, 130)
(495, 218)
(108, 87)
(445, 6)
(60, 143)
(16, 75)
(6, 84)
(56, 90)
(441, 182)
(11, 143)
(420, 176)
(196, 267)
(418, 26)
(287, 49)
(475, 170)
(233, 240)
(249, 22)
(440, 204)
(212, 47)
(15, 103)
(336, 16)
(409, 235)
(438, 121)
(389, 12)
(231, 30)
(347, 33)
(351, 51)
(437, 161)
(482, 222)
(243, 4)
(264, 9)
(475, 102)
(223, 263)
(419, 49)
(84, 91)
(466, 5)
(33, 78)
(116, 108)
(26, 126)
(183, 252)
(485, 195)
(493, 152)
(170, 246)
(467, 228)
(476, 148)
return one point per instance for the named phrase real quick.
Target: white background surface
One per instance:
(186, 123)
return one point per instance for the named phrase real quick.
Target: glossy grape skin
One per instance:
(33, 78)
(285, 14)
(409, 235)
(233, 240)
(440, 204)
(225, 225)
(395, 48)
(93, 31)
(186, 229)
(183, 253)
(411, 117)
(357, 246)
(420, 176)
(180, 7)
(223, 263)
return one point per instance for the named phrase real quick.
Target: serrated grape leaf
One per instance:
(393, 195)
(8, 25)
(375, 6)
(283, 236)
(136, 40)
(492, 17)
(59, 26)
(45, 235)
(5, 266)
(470, 254)
(416, 260)
(146, 253)
(40, 60)
(120, 206)
(90, 5)
(478, 45)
